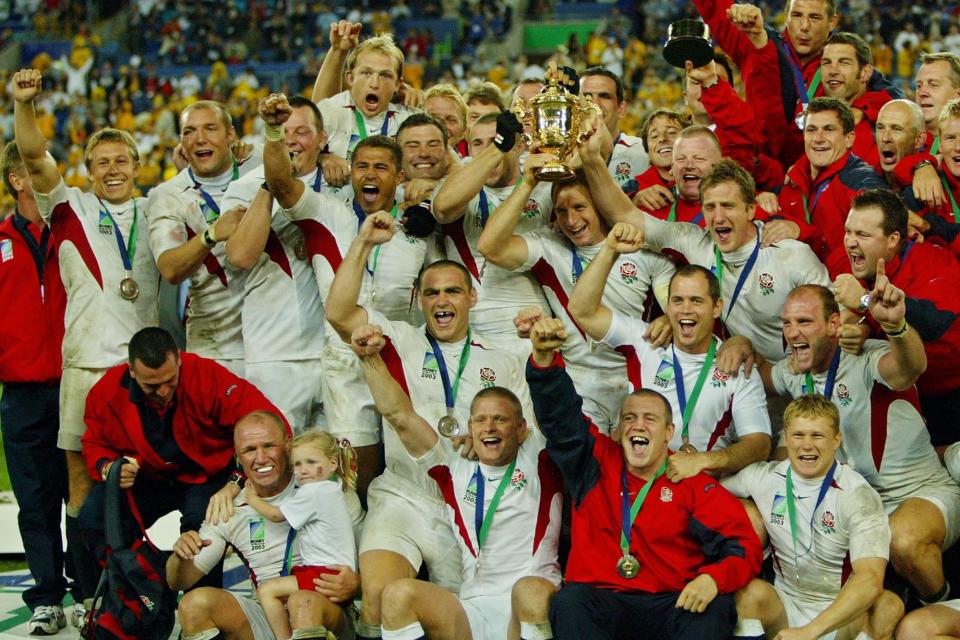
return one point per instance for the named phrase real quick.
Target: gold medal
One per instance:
(129, 289)
(628, 567)
(448, 427)
(686, 447)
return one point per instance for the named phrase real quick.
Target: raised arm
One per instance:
(498, 243)
(612, 203)
(40, 165)
(586, 304)
(343, 311)
(344, 36)
(250, 239)
(275, 110)
(907, 359)
(417, 436)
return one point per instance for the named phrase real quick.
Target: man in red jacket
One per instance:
(647, 553)
(31, 330)
(171, 415)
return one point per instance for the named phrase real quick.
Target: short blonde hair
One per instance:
(950, 111)
(212, 105)
(109, 134)
(379, 44)
(339, 450)
(812, 406)
(450, 92)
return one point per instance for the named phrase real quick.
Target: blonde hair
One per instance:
(812, 406)
(109, 134)
(450, 92)
(335, 449)
(380, 44)
(950, 111)
(211, 105)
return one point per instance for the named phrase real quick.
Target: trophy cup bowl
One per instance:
(688, 39)
(554, 117)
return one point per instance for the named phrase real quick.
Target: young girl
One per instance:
(324, 468)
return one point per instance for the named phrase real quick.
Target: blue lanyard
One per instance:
(577, 265)
(449, 391)
(802, 91)
(207, 198)
(124, 254)
(361, 215)
(824, 487)
(809, 387)
(484, 208)
(317, 181)
(288, 553)
(747, 268)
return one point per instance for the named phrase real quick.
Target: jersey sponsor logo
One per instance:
(843, 395)
(628, 272)
(470, 494)
(719, 378)
(6, 249)
(664, 374)
(258, 534)
(519, 480)
(623, 171)
(829, 522)
(531, 209)
(430, 366)
(666, 494)
(778, 511)
(488, 377)
(766, 283)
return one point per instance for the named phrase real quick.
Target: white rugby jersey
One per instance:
(99, 322)
(524, 534)
(340, 123)
(728, 408)
(501, 293)
(885, 438)
(178, 212)
(412, 363)
(849, 524)
(554, 262)
(282, 315)
(778, 270)
(628, 160)
(318, 511)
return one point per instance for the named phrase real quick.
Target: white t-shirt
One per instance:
(501, 293)
(524, 534)
(849, 524)
(340, 123)
(318, 511)
(412, 363)
(885, 438)
(628, 159)
(282, 315)
(728, 408)
(778, 270)
(178, 211)
(99, 323)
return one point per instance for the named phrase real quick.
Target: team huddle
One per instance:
(706, 388)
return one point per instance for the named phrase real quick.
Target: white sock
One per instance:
(748, 628)
(410, 632)
(536, 631)
(206, 634)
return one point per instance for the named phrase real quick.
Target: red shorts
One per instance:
(305, 575)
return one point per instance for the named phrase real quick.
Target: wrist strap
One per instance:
(898, 332)
(273, 132)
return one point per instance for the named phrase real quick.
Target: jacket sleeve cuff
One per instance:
(556, 362)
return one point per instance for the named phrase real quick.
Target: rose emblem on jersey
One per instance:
(488, 377)
(719, 378)
(829, 521)
(623, 170)
(628, 272)
(843, 395)
(766, 283)
(531, 209)
(518, 481)
(666, 494)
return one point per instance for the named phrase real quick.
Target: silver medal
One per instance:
(129, 289)
(448, 427)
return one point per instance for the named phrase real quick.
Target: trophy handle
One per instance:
(520, 112)
(527, 139)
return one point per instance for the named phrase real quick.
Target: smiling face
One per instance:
(481, 137)
(446, 111)
(645, 432)
(934, 90)
(808, 27)
(303, 141)
(375, 175)
(158, 385)
(373, 81)
(843, 76)
(446, 298)
(424, 154)
(812, 444)
(693, 157)
(950, 145)
(865, 241)
(263, 449)
(496, 429)
(113, 171)
(728, 217)
(692, 312)
(577, 217)
(661, 135)
(310, 464)
(897, 134)
(824, 140)
(206, 142)
(603, 92)
(809, 335)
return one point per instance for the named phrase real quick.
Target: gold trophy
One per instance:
(555, 116)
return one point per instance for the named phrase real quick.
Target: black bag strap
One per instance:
(112, 516)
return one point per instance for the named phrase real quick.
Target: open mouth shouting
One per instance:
(723, 234)
(801, 353)
(444, 318)
(858, 261)
(638, 444)
(888, 157)
(369, 194)
(688, 327)
(371, 103)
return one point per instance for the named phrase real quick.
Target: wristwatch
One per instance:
(208, 238)
(864, 303)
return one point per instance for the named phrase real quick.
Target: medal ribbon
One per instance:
(805, 93)
(362, 125)
(792, 511)
(376, 250)
(672, 216)
(288, 553)
(935, 146)
(485, 203)
(718, 270)
(686, 408)
(127, 253)
(483, 523)
(809, 387)
(207, 198)
(317, 180)
(450, 392)
(577, 264)
(628, 514)
(953, 202)
(808, 216)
